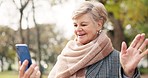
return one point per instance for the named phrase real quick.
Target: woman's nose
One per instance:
(79, 28)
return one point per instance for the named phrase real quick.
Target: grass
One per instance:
(8, 74)
(12, 74)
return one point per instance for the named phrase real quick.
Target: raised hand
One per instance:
(131, 56)
(32, 72)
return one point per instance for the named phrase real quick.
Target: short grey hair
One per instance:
(96, 9)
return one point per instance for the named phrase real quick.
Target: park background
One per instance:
(46, 26)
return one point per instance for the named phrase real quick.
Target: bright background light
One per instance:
(59, 14)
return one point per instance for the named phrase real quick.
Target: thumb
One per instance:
(19, 65)
(123, 48)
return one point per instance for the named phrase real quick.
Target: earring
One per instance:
(99, 32)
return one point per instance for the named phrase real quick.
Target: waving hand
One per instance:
(131, 56)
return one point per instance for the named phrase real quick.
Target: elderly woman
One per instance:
(91, 54)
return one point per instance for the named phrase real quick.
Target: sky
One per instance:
(58, 14)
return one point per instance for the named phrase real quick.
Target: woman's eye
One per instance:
(84, 25)
(75, 25)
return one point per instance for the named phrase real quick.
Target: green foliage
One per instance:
(133, 31)
(142, 28)
(114, 7)
(137, 11)
(129, 12)
(144, 70)
(6, 41)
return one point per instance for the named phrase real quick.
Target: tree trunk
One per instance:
(23, 6)
(118, 32)
(28, 34)
(38, 40)
(20, 24)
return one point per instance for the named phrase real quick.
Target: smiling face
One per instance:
(85, 28)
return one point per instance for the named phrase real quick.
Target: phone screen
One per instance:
(23, 53)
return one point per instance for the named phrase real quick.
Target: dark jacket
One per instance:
(109, 67)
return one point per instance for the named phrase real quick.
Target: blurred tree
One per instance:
(117, 34)
(38, 55)
(51, 42)
(6, 42)
(137, 17)
(21, 7)
(44, 36)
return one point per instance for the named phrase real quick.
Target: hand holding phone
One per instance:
(23, 53)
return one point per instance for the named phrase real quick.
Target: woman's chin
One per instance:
(81, 42)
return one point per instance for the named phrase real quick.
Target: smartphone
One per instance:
(23, 54)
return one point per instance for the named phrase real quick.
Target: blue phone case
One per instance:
(23, 53)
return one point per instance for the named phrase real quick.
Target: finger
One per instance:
(22, 68)
(38, 74)
(142, 36)
(123, 48)
(144, 53)
(19, 65)
(143, 46)
(29, 71)
(135, 41)
(36, 69)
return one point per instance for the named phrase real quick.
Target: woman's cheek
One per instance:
(75, 35)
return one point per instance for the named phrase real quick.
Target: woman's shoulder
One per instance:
(109, 66)
(115, 52)
(113, 56)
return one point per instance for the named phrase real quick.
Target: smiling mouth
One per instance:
(81, 35)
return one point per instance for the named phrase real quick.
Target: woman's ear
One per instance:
(100, 24)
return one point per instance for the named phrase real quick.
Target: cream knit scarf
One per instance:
(73, 60)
